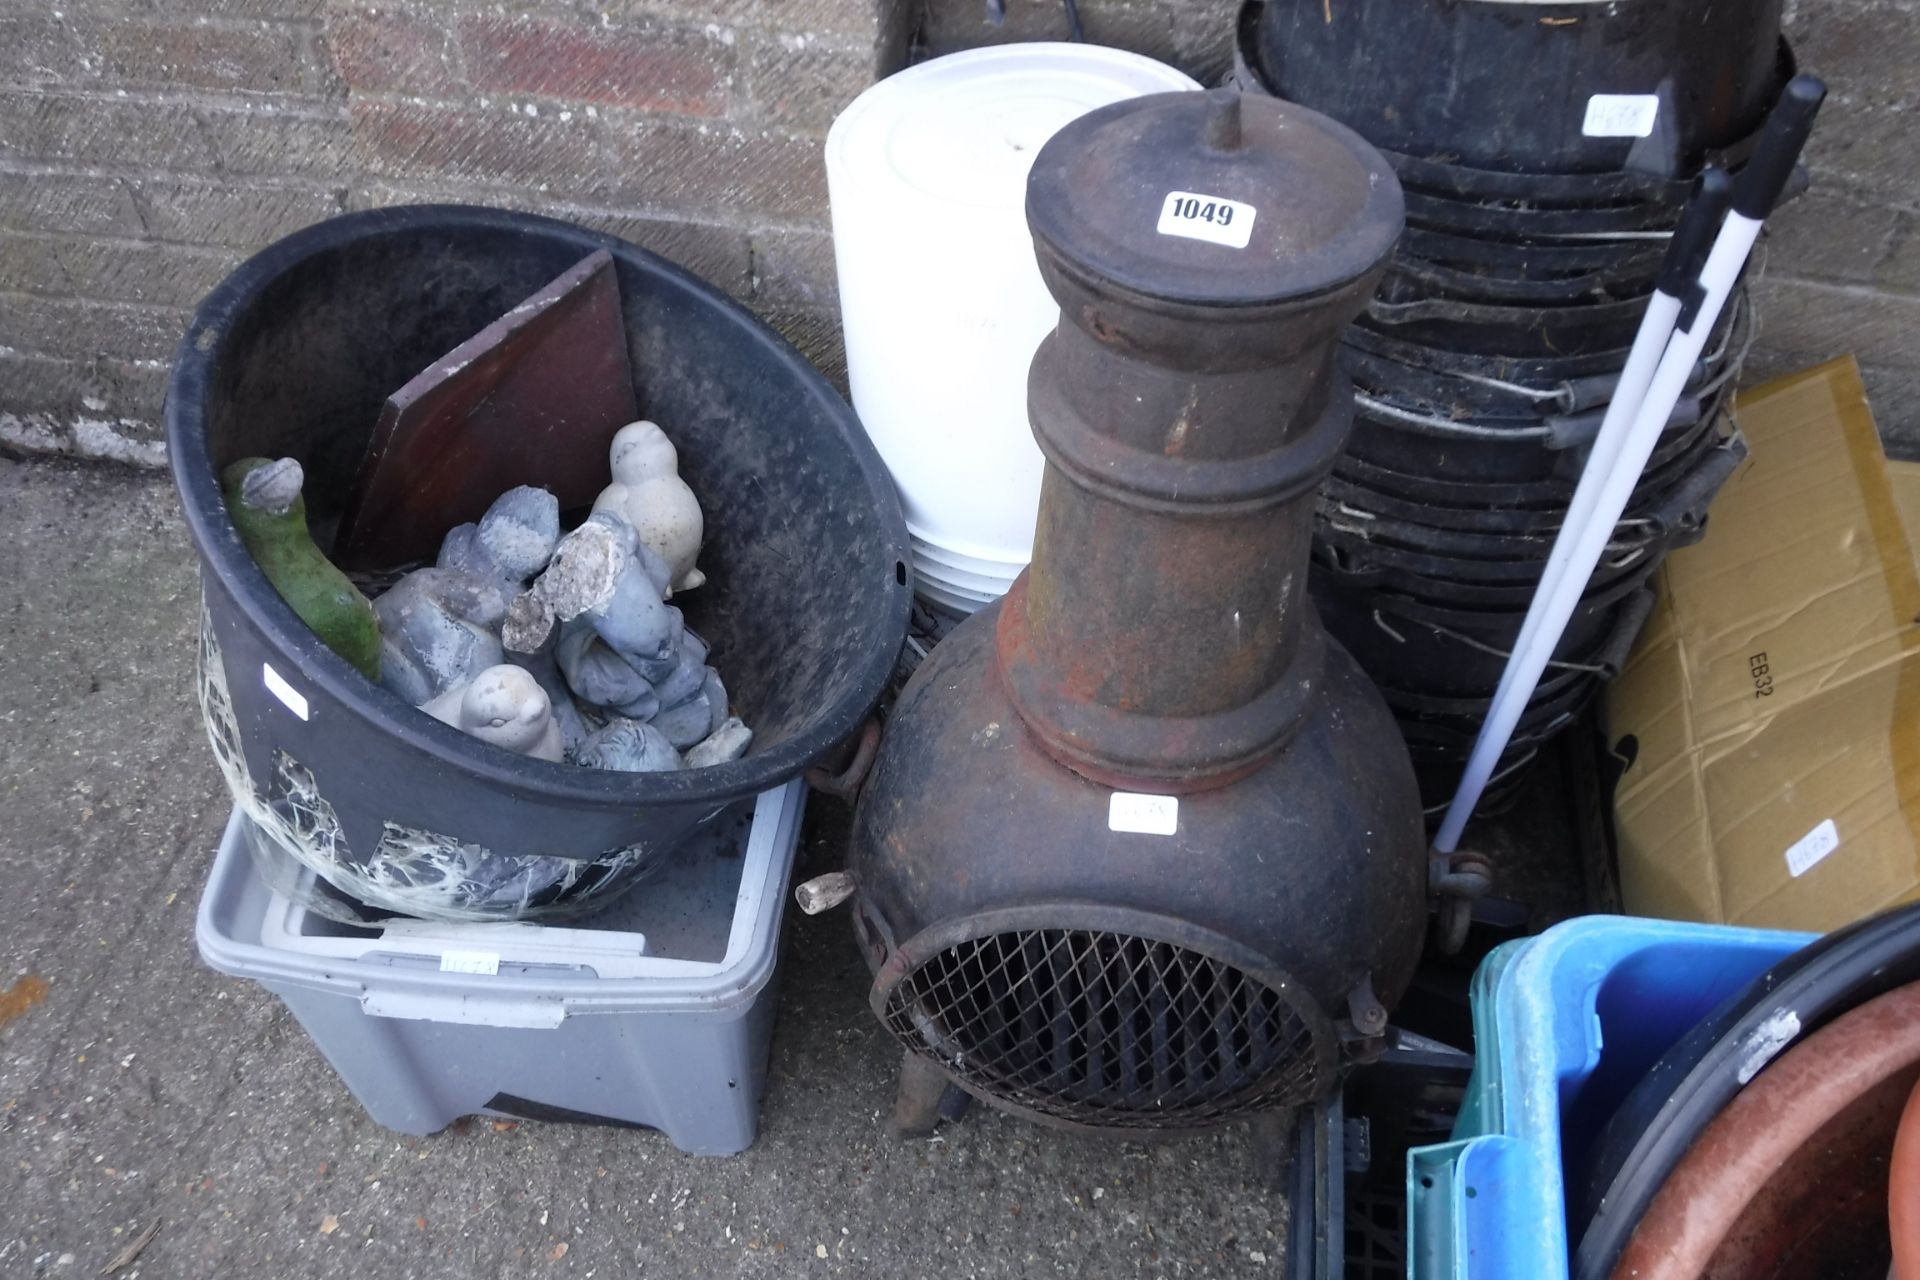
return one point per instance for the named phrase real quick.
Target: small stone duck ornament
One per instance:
(506, 706)
(648, 491)
(264, 499)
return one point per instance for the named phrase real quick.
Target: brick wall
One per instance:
(146, 146)
(1843, 271)
(1195, 35)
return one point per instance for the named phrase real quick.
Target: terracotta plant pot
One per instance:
(1789, 1182)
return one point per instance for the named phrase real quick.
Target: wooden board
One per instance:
(533, 398)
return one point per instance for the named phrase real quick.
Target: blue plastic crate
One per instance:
(1566, 1024)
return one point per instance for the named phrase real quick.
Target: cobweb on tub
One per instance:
(412, 872)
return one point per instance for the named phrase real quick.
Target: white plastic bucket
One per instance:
(940, 296)
(955, 599)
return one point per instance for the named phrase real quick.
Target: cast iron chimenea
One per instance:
(1142, 847)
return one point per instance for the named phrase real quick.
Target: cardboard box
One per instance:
(1771, 712)
(1906, 496)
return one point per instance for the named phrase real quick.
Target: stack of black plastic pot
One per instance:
(1546, 151)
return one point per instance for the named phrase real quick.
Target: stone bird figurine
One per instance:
(506, 706)
(648, 491)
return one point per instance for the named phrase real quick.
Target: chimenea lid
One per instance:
(1214, 199)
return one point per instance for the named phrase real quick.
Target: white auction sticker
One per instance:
(469, 962)
(291, 698)
(1143, 815)
(1806, 853)
(1621, 115)
(1211, 218)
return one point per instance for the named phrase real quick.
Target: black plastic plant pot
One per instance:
(1458, 504)
(1500, 85)
(1502, 456)
(1508, 221)
(1489, 584)
(805, 605)
(1462, 608)
(1435, 177)
(1439, 574)
(1558, 693)
(1520, 510)
(1515, 392)
(1411, 278)
(1358, 526)
(1528, 370)
(1447, 652)
(1432, 741)
(1432, 175)
(1665, 513)
(1487, 328)
(1622, 260)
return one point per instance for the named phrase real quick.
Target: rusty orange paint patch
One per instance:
(21, 996)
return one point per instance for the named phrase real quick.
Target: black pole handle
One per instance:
(1699, 224)
(1778, 150)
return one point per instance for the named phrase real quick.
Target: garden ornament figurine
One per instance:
(263, 498)
(506, 706)
(629, 746)
(648, 491)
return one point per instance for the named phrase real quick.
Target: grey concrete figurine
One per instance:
(440, 627)
(506, 706)
(630, 746)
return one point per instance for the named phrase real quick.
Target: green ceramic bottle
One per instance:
(264, 499)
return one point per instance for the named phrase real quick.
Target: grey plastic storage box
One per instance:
(656, 1012)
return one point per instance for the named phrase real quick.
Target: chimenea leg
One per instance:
(1275, 1142)
(917, 1102)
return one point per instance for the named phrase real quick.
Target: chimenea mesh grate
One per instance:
(1106, 1029)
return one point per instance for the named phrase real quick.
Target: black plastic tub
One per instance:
(1509, 221)
(1506, 84)
(1528, 370)
(1624, 261)
(805, 605)
(1444, 572)
(1557, 693)
(1543, 190)
(1487, 328)
(1411, 278)
(1357, 528)
(1455, 652)
(1553, 490)
(1511, 512)
(1441, 580)
(1420, 444)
